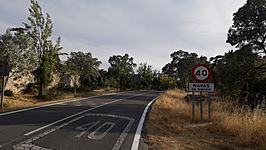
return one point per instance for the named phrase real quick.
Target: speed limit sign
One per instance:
(201, 73)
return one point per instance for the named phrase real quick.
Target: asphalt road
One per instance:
(108, 122)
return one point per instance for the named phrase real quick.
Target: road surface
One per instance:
(108, 122)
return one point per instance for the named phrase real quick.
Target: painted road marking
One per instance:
(125, 132)
(86, 127)
(32, 108)
(135, 145)
(59, 103)
(27, 144)
(46, 126)
(93, 135)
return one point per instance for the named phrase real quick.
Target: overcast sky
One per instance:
(148, 30)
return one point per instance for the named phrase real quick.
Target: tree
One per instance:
(82, 67)
(248, 63)
(167, 82)
(146, 76)
(122, 69)
(103, 79)
(249, 27)
(40, 31)
(234, 69)
(181, 65)
(15, 52)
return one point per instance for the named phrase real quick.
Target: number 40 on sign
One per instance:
(201, 73)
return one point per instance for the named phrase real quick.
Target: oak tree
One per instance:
(122, 69)
(249, 26)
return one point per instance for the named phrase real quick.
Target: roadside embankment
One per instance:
(20, 101)
(169, 126)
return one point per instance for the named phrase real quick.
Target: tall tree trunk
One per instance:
(75, 88)
(2, 92)
(75, 82)
(41, 91)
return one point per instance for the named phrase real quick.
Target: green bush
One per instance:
(53, 94)
(167, 82)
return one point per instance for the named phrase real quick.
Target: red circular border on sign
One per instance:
(194, 76)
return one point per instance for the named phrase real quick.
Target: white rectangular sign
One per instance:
(201, 87)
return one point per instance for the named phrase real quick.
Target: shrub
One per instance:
(31, 88)
(9, 93)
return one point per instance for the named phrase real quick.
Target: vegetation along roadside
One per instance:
(169, 125)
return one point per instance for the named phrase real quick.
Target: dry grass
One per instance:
(171, 104)
(248, 127)
(24, 101)
(169, 126)
(18, 102)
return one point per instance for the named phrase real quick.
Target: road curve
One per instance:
(108, 122)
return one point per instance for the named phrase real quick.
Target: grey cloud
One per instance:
(148, 30)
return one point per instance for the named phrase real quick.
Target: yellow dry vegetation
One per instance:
(171, 104)
(21, 101)
(248, 127)
(25, 101)
(169, 126)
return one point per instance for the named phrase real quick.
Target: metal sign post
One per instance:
(201, 74)
(193, 106)
(201, 107)
(209, 106)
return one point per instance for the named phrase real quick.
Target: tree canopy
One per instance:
(146, 76)
(181, 64)
(15, 52)
(39, 30)
(122, 69)
(83, 67)
(234, 69)
(249, 26)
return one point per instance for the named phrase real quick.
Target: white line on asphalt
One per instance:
(93, 135)
(125, 132)
(29, 142)
(136, 140)
(32, 108)
(36, 107)
(86, 127)
(36, 130)
(46, 126)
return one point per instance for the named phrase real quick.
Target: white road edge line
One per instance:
(53, 123)
(36, 107)
(136, 139)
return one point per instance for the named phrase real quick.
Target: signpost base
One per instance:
(193, 106)
(201, 107)
(199, 100)
(209, 106)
